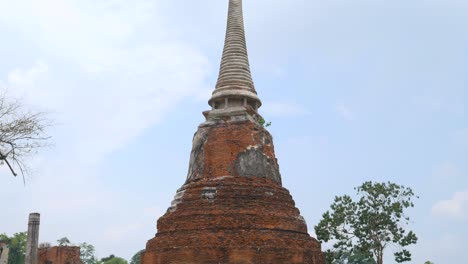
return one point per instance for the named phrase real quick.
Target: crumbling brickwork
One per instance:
(227, 214)
(232, 207)
(240, 148)
(59, 255)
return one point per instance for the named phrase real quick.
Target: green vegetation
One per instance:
(17, 245)
(137, 257)
(264, 123)
(87, 254)
(113, 260)
(64, 241)
(335, 257)
(362, 230)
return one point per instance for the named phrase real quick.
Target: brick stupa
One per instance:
(232, 207)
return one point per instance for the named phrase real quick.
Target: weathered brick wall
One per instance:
(59, 255)
(232, 208)
(241, 148)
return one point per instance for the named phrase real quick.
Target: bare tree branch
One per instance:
(22, 133)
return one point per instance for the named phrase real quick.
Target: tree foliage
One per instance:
(107, 258)
(344, 257)
(136, 259)
(64, 241)
(113, 260)
(87, 254)
(367, 227)
(22, 133)
(17, 246)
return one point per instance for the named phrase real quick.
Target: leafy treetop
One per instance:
(17, 246)
(370, 225)
(64, 241)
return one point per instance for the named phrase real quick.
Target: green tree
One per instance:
(107, 258)
(64, 241)
(17, 246)
(113, 260)
(4, 238)
(368, 226)
(87, 254)
(340, 257)
(428, 262)
(136, 259)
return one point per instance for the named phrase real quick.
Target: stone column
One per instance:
(33, 239)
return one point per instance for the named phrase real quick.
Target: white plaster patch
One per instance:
(177, 200)
(222, 178)
(209, 193)
(302, 219)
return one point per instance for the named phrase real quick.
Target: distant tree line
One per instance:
(17, 250)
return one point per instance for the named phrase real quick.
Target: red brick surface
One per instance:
(222, 216)
(59, 255)
(226, 141)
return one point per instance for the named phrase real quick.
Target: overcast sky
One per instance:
(355, 90)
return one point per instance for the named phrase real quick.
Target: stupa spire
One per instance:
(232, 207)
(235, 85)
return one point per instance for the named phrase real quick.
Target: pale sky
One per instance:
(355, 90)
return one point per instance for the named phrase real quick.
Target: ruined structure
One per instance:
(4, 252)
(33, 238)
(59, 255)
(232, 207)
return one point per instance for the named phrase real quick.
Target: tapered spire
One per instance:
(235, 85)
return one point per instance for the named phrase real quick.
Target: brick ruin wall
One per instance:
(232, 208)
(59, 255)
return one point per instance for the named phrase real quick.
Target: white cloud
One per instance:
(282, 109)
(131, 85)
(446, 170)
(107, 72)
(454, 208)
(90, 33)
(28, 77)
(32, 85)
(345, 112)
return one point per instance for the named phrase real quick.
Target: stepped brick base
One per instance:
(233, 209)
(233, 220)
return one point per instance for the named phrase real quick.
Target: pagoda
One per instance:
(232, 207)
